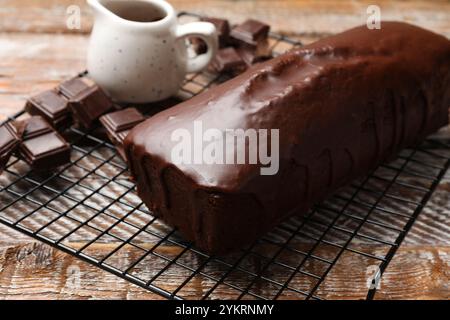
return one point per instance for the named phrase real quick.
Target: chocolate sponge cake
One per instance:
(341, 106)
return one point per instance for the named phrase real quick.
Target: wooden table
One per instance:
(37, 51)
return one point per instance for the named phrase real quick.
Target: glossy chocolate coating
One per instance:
(118, 124)
(343, 105)
(9, 140)
(52, 106)
(42, 147)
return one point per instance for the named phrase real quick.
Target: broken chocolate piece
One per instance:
(119, 123)
(251, 32)
(75, 86)
(223, 33)
(52, 106)
(42, 147)
(123, 119)
(9, 141)
(228, 61)
(89, 106)
(86, 100)
(252, 55)
(223, 29)
(34, 126)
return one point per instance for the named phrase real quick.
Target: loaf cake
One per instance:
(342, 105)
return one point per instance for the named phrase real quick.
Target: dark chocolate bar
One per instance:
(228, 61)
(9, 141)
(251, 32)
(223, 33)
(42, 147)
(75, 86)
(52, 106)
(118, 124)
(254, 54)
(341, 105)
(34, 126)
(223, 29)
(87, 101)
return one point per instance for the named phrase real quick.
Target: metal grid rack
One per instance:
(92, 202)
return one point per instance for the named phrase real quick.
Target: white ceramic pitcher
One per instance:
(137, 51)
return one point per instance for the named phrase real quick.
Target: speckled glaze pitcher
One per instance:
(137, 51)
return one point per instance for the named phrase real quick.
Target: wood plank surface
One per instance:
(30, 63)
(33, 270)
(287, 16)
(37, 51)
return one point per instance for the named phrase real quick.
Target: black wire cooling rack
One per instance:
(91, 203)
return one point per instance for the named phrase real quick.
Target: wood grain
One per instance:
(287, 16)
(35, 271)
(33, 63)
(37, 51)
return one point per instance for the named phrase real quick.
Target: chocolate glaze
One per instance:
(342, 104)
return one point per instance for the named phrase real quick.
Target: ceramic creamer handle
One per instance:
(205, 31)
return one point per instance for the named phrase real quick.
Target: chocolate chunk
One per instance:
(122, 120)
(46, 152)
(86, 100)
(19, 128)
(119, 123)
(42, 147)
(34, 126)
(250, 32)
(223, 33)
(223, 29)
(52, 106)
(9, 141)
(252, 55)
(75, 86)
(228, 61)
